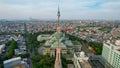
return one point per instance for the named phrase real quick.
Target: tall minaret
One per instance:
(58, 14)
(58, 63)
(58, 26)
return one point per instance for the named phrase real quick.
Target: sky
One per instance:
(70, 9)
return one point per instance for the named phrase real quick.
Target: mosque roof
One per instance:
(53, 42)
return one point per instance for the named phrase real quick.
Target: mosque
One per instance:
(57, 40)
(57, 45)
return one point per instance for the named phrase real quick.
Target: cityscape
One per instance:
(57, 40)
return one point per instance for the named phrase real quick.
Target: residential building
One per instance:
(111, 52)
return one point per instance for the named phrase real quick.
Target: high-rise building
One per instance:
(111, 52)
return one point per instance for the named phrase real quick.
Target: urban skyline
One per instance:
(71, 9)
(70, 41)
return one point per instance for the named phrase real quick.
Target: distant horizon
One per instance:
(70, 9)
(56, 20)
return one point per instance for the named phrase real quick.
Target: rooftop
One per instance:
(53, 42)
(83, 59)
(85, 64)
(115, 42)
(96, 64)
(11, 60)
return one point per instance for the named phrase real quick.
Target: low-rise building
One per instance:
(81, 60)
(15, 63)
(2, 48)
(21, 50)
(43, 37)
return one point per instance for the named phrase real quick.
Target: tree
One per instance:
(13, 45)
(42, 62)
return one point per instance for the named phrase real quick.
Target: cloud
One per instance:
(111, 5)
(70, 9)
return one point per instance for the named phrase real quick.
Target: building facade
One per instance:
(111, 52)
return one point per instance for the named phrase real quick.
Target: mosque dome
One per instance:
(117, 42)
(82, 54)
(39, 38)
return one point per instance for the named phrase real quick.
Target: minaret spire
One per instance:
(58, 14)
(58, 26)
(58, 63)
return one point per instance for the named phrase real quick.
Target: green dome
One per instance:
(53, 42)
